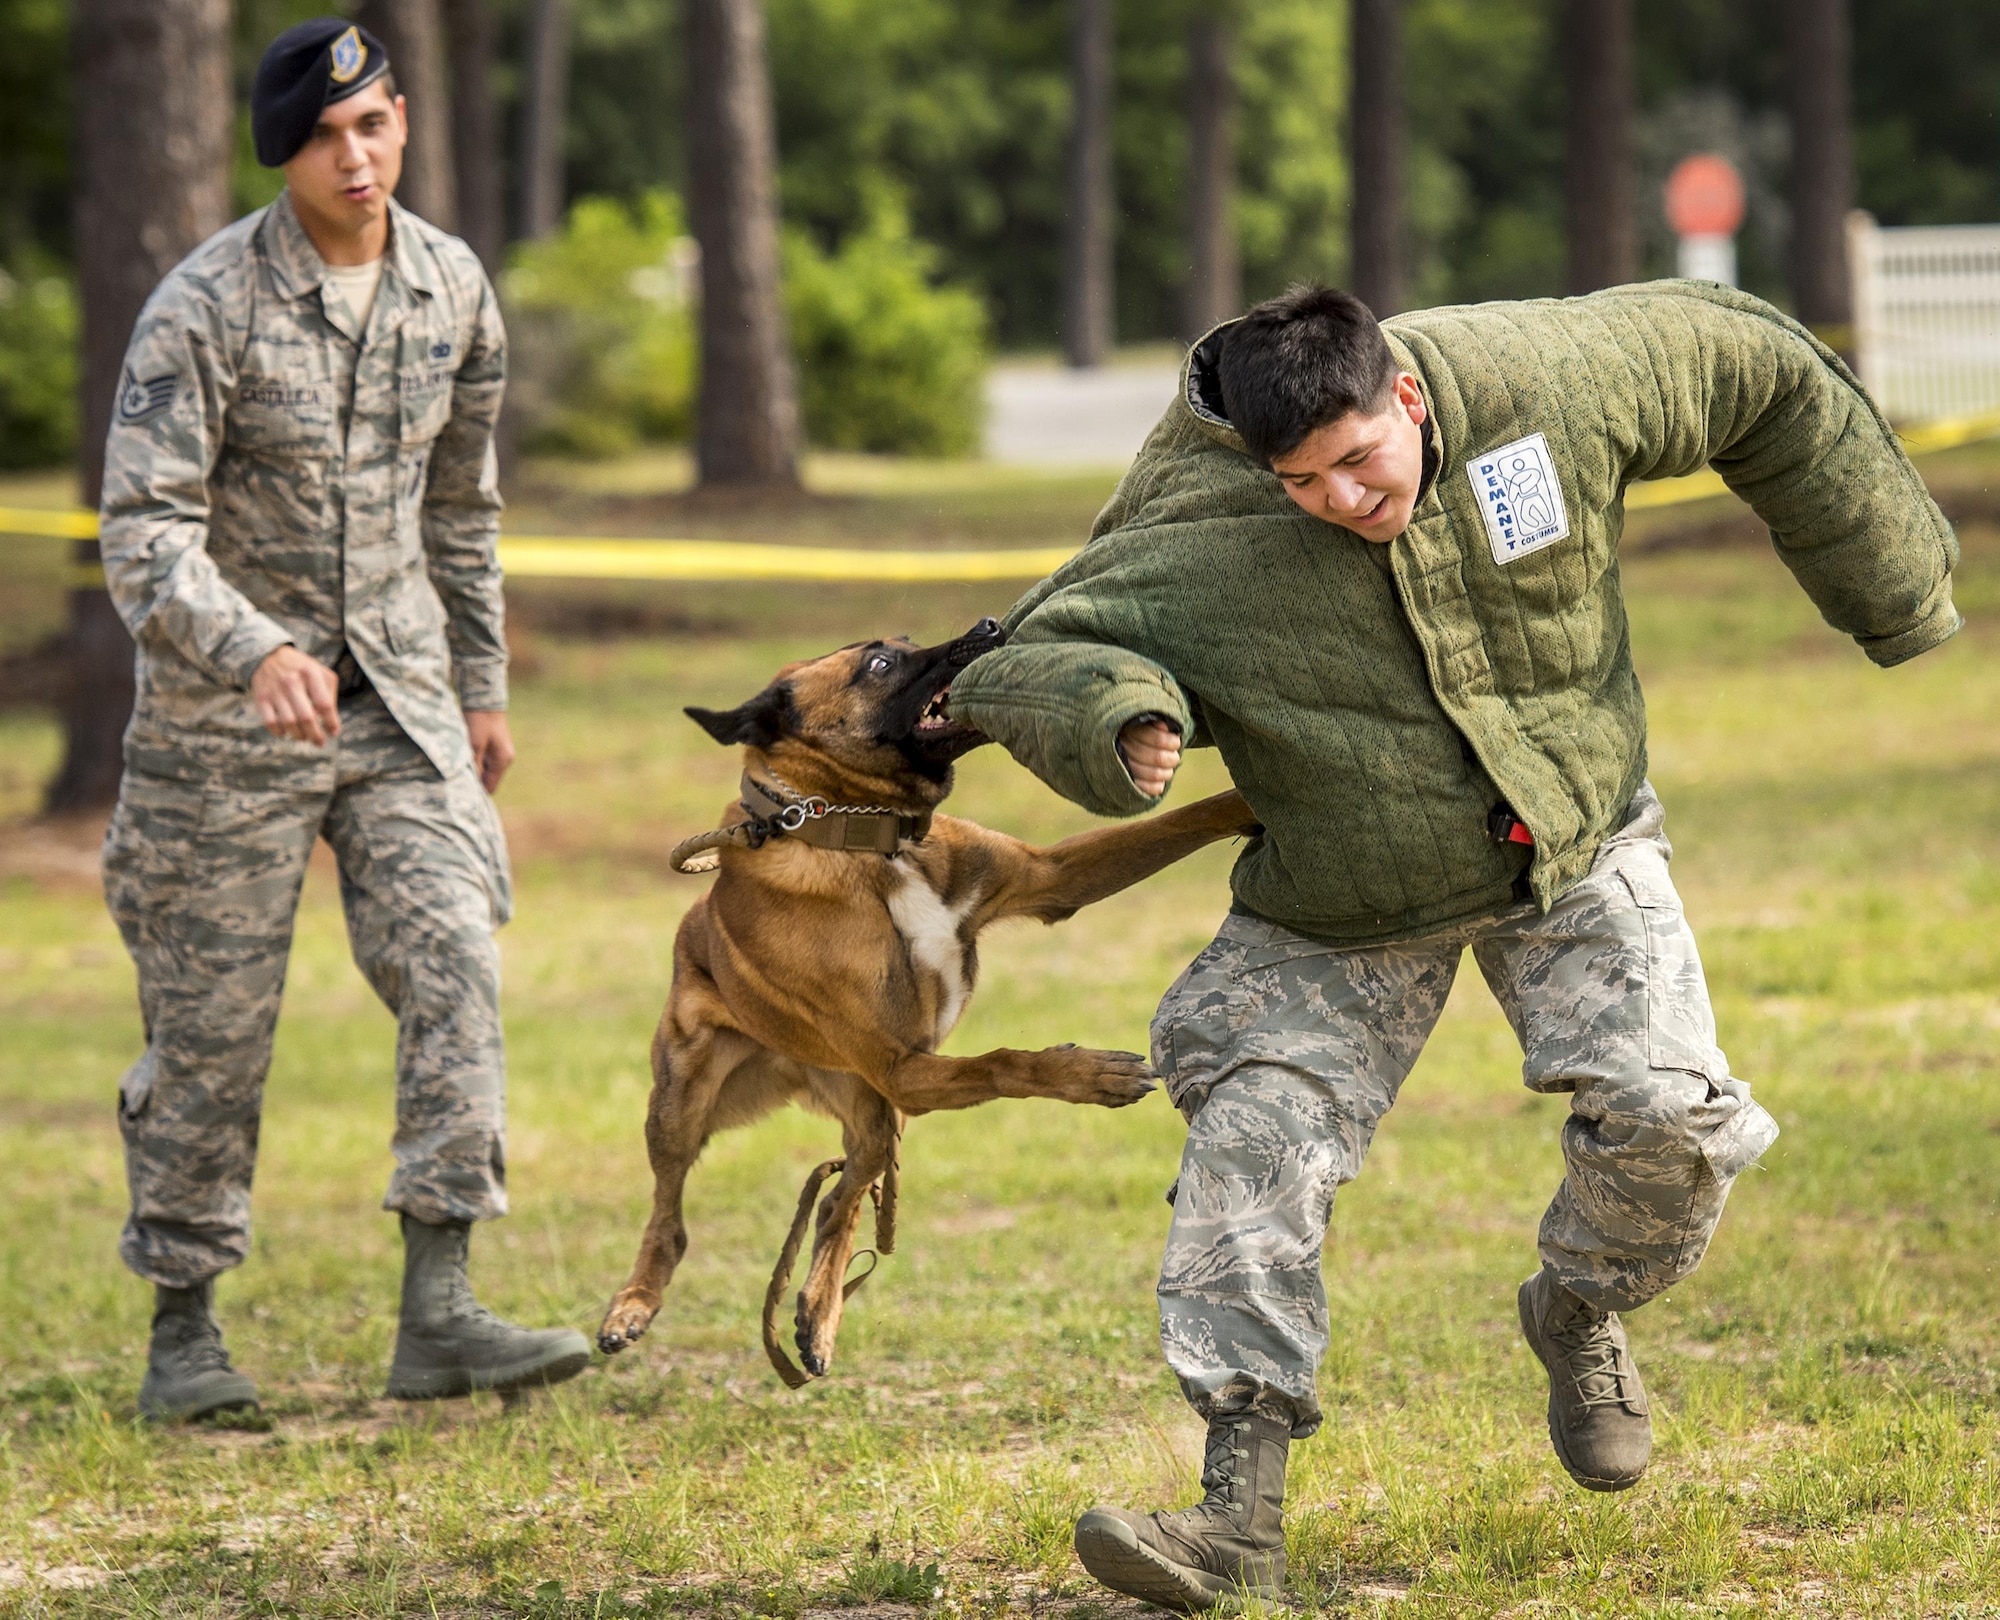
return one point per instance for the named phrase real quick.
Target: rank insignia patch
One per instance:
(348, 55)
(142, 401)
(1520, 497)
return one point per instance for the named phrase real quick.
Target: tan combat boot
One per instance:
(1598, 1417)
(1229, 1544)
(188, 1374)
(447, 1343)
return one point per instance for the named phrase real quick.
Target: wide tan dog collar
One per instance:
(875, 829)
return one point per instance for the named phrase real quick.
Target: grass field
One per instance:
(1826, 1399)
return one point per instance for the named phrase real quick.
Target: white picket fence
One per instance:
(1927, 317)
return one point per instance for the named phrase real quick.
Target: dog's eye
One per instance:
(879, 664)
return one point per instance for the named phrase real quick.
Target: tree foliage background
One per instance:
(956, 112)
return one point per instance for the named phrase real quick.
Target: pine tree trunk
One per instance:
(153, 145)
(1375, 51)
(412, 31)
(1817, 48)
(475, 130)
(546, 117)
(1215, 278)
(1088, 283)
(748, 427)
(1598, 183)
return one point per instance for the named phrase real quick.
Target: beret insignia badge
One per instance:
(348, 55)
(142, 401)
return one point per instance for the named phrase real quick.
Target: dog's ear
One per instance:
(755, 724)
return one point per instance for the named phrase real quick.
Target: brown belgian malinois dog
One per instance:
(837, 949)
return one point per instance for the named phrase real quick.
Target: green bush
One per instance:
(601, 316)
(602, 344)
(888, 361)
(38, 339)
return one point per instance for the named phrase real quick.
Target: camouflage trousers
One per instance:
(1284, 1055)
(203, 874)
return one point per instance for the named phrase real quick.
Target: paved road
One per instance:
(1048, 415)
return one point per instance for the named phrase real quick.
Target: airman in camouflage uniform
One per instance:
(279, 473)
(1375, 564)
(256, 506)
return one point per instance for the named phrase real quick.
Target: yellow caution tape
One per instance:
(1949, 432)
(539, 556)
(1673, 491)
(588, 557)
(1923, 439)
(57, 525)
(555, 557)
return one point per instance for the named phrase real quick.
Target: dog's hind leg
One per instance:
(690, 1065)
(870, 1131)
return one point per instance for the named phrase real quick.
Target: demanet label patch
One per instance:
(1520, 497)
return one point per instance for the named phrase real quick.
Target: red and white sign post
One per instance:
(1704, 198)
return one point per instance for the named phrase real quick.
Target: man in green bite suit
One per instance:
(1376, 565)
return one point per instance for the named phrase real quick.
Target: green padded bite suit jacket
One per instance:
(1374, 703)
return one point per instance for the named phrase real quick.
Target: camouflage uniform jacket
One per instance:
(249, 503)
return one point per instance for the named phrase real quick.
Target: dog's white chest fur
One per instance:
(930, 932)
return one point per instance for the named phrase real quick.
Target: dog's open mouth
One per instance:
(937, 738)
(934, 719)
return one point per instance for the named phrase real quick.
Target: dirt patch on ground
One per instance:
(780, 516)
(966, 1222)
(337, 1416)
(1738, 528)
(56, 852)
(570, 836)
(574, 610)
(54, 1113)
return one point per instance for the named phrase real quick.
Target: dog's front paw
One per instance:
(1109, 1079)
(631, 1313)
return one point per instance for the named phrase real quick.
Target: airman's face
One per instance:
(1363, 472)
(343, 176)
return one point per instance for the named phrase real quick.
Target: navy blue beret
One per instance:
(306, 70)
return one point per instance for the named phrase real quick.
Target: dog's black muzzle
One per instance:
(981, 639)
(929, 739)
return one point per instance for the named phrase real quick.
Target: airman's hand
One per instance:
(297, 697)
(1151, 750)
(492, 744)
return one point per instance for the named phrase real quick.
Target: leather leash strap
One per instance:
(884, 1194)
